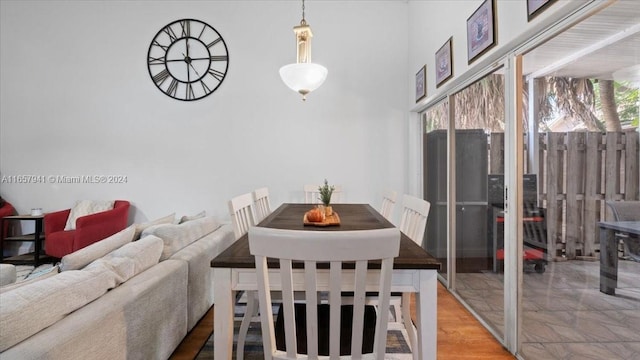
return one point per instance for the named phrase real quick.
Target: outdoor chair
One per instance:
(627, 211)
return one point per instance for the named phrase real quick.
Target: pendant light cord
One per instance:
(303, 21)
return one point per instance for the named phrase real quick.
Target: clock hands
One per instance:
(194, 69)
(191, 59)
(188, 60)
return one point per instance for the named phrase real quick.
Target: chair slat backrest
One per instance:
(262, 203)
(312, 194)
(625, 210)
(388, 204)
(414, 217)
(242, 214)
(333, 247)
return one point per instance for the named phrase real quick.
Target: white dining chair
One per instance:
(243, 217)
(262, 203)
(388, 204)
(415, 212)
(413, 223)
(312, 194)
(242, 214)
(333, 247)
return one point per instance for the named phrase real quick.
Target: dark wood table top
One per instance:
(352, 217)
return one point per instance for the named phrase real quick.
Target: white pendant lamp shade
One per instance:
(303, 77)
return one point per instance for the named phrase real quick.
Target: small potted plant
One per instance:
(325, 196)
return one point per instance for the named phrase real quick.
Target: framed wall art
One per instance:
(444, 63)
(421, 83)
(481, 30)
(535, 7)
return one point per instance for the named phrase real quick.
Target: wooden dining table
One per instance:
(414, 271)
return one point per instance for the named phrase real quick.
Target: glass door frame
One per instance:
(511, 61)
(514, 164)
(513, 210)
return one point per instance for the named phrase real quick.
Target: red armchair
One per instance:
(89, 229)
(6, 209)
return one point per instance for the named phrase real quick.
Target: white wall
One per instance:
(431, 23)
(76, 99)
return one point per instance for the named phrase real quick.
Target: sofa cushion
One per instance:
(199, 215)
(131, 259)
(33, 277)
(141, 319)
(33, 307)
(176, 237)
(169, 219)
(81, 258)
(198, 256)
(84, 208)
(7, 274)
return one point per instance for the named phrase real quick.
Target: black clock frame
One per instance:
(163, 42)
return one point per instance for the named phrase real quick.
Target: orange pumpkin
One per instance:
(314, 215)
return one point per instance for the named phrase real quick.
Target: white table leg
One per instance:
(223, 314)
(427, 315)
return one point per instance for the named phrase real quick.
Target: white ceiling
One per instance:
(600, 46)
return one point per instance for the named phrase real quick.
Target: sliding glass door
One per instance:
(583, 109)
(519, 164)
(479, 181)
(435, 148)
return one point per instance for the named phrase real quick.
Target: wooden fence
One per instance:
(578, 172)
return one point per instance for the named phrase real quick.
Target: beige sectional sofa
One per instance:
(118, 298)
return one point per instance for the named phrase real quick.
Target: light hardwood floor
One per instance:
(460, 335)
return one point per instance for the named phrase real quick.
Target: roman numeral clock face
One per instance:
(188, 60)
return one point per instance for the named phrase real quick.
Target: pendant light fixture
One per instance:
(303, 76)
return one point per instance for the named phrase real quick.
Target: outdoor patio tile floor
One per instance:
(565, 316)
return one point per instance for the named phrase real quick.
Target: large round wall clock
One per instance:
(188, 59)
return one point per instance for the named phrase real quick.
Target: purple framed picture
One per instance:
(481, 30)
(535, 7)
(421, 83)
(444, 63)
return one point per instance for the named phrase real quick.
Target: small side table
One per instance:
(37, 237)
